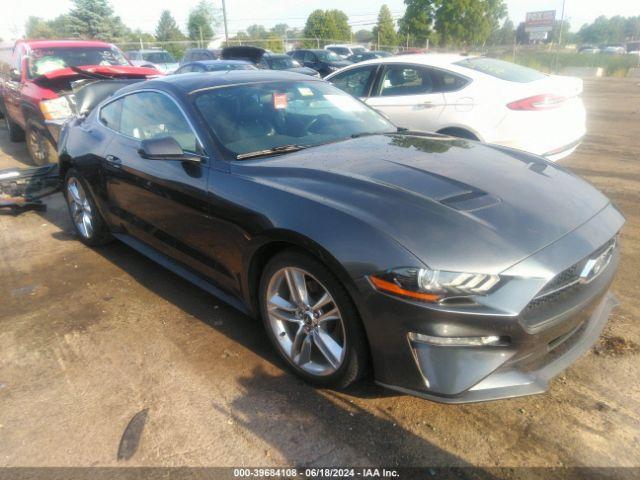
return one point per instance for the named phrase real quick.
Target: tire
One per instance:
(346, 331)
(81, 204)
(16, 133)
(40, 148)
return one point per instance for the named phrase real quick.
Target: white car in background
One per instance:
(477, 98)
(161, 60)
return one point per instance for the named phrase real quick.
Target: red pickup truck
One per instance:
(37, 88)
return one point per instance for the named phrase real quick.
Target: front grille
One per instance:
(566, 284)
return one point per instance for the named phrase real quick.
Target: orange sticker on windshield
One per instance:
(279, 101)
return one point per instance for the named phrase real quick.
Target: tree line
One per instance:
(450, 23)
(95, 19)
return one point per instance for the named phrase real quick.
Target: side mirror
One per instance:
(14, 75)
(165, 148)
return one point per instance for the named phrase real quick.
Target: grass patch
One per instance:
(614, 65)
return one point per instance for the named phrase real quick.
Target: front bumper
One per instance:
(543, 337)
(528, 376)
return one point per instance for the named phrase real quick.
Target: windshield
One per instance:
(256, 117)
(45, 60)
(282, 63)
(340, 50)
(158, 57)
(502, 70)
(328, 56)
(358, 49)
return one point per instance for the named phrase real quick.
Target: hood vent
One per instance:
(470, 201)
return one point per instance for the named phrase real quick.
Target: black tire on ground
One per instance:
(40, 148)
(100, 234)
(356, 358)
(16, 133)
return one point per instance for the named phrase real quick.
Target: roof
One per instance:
(147, 50)
(220, 61)
(434, 59)
(308, 50)
(188, 82)
(64, 43)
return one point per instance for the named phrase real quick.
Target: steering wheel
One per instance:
(320, 120)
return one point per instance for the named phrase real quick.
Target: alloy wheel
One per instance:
(80, 207)
(306, 321)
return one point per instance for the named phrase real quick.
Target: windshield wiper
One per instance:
(368, 134)
(271, 151)
(93, 75)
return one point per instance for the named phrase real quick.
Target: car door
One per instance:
(409, 96)
(161, 202)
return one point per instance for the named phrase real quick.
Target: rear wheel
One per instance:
(40, 148)
(87, 221)
(311, 320)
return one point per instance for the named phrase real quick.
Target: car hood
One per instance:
(456, 205)
(120, 71)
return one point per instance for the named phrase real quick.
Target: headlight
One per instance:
(56, 109)
(433, 286)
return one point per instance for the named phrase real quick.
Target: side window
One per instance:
(406, 80)
(110, 114)
(263, 64)
(310, 57)
(147, 115)
(448, 82)
(355, 81)
(298, 55)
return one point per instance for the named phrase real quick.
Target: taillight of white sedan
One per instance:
(478, 98)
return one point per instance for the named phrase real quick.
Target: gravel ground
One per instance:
(90, 338)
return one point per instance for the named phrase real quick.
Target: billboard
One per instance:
(540, 21)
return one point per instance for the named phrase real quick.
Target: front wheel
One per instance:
(312, 321)
(40, 148)
(87, 221)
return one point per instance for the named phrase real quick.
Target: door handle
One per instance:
(113, 161)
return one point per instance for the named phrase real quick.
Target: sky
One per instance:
(144, 14)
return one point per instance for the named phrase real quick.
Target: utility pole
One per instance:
(224, 16)
(560, 36)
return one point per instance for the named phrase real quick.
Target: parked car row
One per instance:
(476, 98)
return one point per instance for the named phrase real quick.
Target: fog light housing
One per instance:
(485, 341)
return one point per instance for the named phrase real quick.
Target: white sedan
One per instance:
(473, 97)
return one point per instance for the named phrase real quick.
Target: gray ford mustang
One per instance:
(450, 269)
